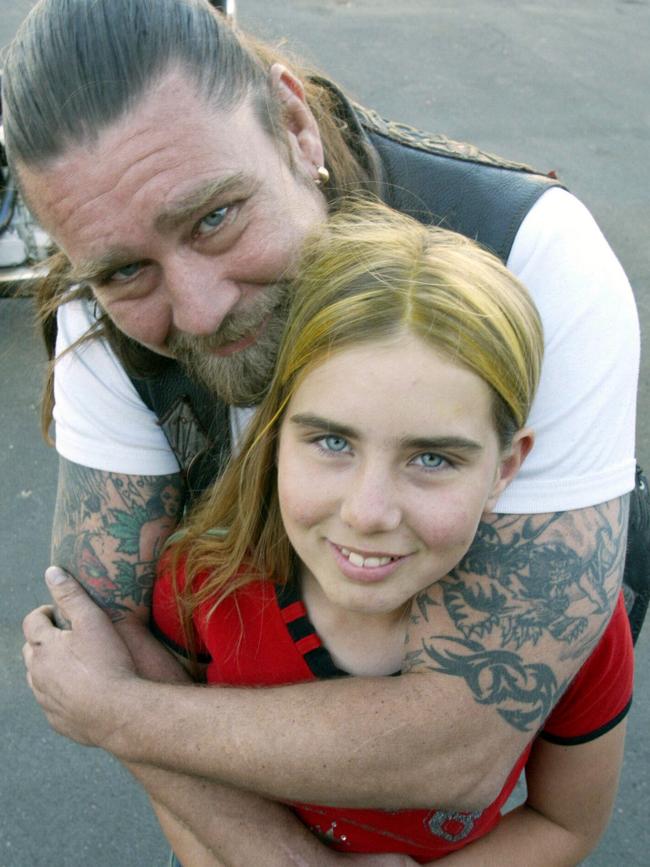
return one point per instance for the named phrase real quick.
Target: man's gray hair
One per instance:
(76, 66)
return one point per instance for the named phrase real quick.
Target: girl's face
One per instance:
(388, 457)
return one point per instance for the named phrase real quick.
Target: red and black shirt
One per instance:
(261, 635)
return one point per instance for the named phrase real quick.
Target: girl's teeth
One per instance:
(365, 562)
(372, 562)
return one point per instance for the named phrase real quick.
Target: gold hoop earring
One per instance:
(323, 176)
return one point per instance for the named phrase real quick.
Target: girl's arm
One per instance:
(571, 790)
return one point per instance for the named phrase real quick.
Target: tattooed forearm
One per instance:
(523, 694)
(109, 530)
(524, 608)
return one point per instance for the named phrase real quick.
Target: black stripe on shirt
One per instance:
(163, 638)
(319, 659)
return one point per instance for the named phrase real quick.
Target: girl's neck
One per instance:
(362, 644)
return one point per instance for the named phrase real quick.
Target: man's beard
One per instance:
(241, 378)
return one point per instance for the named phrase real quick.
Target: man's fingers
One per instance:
(38, 624)
(27, 655)
(71, 600)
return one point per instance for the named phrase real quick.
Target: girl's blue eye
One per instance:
(431, 461)
(214, 219)
(333, 443)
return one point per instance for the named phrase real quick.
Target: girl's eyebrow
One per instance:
(444, 443)
(317, 421)
(436, 443)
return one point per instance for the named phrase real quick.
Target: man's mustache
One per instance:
(228, 332)
(234, 326)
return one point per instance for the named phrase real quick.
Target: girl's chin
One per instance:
(380, 609)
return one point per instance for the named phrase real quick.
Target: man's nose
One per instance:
(371, 502)
(200, 295)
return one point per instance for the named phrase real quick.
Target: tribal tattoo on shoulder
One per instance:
(109, 530)
(523, 580)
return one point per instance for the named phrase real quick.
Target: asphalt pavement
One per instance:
(560, 84)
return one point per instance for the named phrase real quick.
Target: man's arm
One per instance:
(209, 825)
(445, 734)
(523, 610)
(108, 531)
(216, 826)
(489, 652)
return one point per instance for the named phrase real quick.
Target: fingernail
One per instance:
(54, 575)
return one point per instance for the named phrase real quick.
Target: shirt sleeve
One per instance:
(600, 695)
(585, 408)
(100, 420)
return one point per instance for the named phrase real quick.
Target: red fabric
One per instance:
(602, 688)
(264, 654)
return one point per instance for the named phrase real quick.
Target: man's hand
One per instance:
(70, 671)
(77, 676)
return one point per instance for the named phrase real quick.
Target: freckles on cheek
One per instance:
(452, 524)
(295, 505)
(301, 501)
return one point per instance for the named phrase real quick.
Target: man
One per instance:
(185, 225)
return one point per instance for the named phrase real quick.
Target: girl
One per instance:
(395, 419)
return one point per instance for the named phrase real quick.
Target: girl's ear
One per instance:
(301, 126)
(509, 465)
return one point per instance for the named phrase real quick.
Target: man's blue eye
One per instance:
(126, 271)
(214, 219)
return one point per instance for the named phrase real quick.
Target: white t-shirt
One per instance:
(583, 415)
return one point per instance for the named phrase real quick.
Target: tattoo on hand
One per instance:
(518, 583)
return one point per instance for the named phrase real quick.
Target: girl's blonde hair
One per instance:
(368, 274)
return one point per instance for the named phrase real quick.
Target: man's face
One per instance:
(186, 221)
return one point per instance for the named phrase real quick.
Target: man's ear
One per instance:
(302, 129)
(509, 465)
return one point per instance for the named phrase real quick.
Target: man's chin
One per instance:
(239, 372)
(230, 378)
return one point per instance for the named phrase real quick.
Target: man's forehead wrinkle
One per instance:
(96, 184)
(137, 163)
(71, 206)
